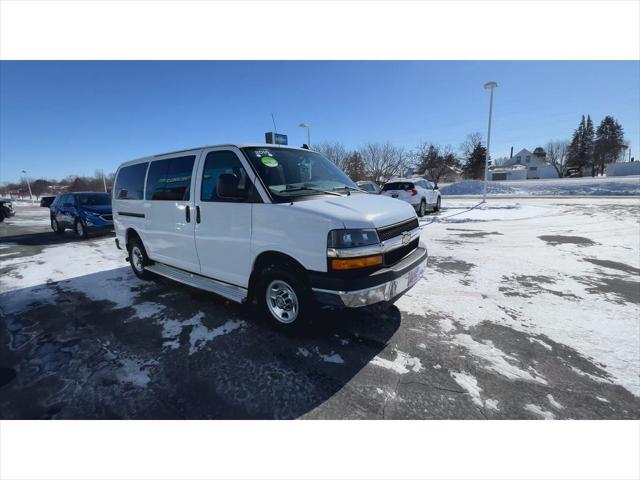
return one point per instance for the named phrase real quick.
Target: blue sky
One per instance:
(61, 118)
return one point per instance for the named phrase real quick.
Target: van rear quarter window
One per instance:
(130, 182)
(170, 178)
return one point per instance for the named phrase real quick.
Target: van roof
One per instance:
(184, 150)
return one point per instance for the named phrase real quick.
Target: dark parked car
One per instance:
(6, 209)
(83, 212)
(46, 201)
(573, 172)
(369, 187)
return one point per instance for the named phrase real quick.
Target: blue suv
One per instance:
(83, 212)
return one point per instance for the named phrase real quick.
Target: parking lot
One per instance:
(529, 310)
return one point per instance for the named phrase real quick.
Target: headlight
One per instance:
(352, 238)
(93, 214)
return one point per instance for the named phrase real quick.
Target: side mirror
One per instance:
(435, 187)
(227, 187)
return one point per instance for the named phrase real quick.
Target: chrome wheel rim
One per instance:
(422, 208)
(137, 259)
(282, 301)
(79, 229)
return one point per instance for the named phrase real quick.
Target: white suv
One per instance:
(280, 225)
(420, 193)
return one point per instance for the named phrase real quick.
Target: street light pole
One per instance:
(488, 86)
(308, 127)
(28, 185)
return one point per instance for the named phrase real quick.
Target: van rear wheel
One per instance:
(285, 297)
(138, 259)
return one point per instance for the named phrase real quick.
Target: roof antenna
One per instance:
(275, 129)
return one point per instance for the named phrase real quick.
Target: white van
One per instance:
(282, 226)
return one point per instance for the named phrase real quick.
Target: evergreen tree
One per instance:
(539, 152)
(587, 145)
(608, 144)
(473, 166)
(580, 150)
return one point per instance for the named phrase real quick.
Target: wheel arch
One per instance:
(130, 234)
(270, 257)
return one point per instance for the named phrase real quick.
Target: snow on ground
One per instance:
(557, 186)
(575, 285)
(95, 268)
(403, 363)
(29, 218)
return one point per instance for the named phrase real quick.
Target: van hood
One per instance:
(360, 210)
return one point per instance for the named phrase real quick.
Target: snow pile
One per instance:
(598, 186)
(476, 187)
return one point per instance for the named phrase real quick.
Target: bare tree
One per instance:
(470, 144)
(336, 152)
(557, 152)
(383, 161)
(434, 161)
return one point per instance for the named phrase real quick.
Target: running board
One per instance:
(232, 292)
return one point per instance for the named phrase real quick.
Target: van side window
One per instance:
(170, 179)
(130, 182)
(217, 163)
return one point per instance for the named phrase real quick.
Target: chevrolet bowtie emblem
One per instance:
(406, 238)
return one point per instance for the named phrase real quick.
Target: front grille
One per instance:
(385, 233)
(108, 217)
(394, 256)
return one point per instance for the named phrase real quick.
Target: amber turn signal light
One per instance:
(361, 262)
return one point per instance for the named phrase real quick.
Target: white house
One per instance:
(512, 172)
(537, 167)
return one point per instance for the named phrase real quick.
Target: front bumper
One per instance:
(386, 285)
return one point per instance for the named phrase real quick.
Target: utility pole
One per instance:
(488, 86)
(28, 185)
(308, 127)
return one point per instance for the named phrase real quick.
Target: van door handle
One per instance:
(198, 214)
(188, 214)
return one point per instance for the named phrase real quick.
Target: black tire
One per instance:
(422, 209)
(56, 227)
(285, 279)
(1, 216)
(79, 229)
(437, 207)
(138, 259)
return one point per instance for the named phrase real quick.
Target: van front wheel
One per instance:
(284, 297)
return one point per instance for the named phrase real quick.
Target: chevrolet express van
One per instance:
(280, 226)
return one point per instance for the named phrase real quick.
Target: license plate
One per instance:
(414, 276)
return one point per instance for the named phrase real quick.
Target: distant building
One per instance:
(536, 167)
(450, 175)
(511, 172)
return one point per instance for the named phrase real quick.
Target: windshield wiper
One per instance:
(349, 189)
(311, 189)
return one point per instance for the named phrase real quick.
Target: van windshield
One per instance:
(94, 199)
(290, 173)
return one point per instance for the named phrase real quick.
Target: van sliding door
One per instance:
(169, 209)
